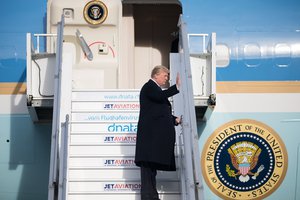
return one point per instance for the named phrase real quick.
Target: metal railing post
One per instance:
(53, 172)
(185, 104)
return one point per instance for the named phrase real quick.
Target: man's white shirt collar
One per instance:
(160, 86)
(155, 82)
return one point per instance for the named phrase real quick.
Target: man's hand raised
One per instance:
(178, 83)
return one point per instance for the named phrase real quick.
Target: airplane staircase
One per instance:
(101, 147)
(94, 133)
(93, 143)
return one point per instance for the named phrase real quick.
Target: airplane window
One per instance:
(295, 50)
(252, 55)
(282, 55)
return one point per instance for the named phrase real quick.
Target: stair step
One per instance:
(78, 106)
(103, 161)
(108, 161)
(119, 196)
(96, 127)
(118, 186)
(94, 150)
(105, 117)
(106, 95)
(111, 174)
(103, 139)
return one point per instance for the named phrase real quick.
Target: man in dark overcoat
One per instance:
(156, 132)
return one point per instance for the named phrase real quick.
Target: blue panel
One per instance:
(24, 158)
(18, 18)
(263, 36)
(265, 71)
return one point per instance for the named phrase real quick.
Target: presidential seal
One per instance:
(95, 12)
(244, 159)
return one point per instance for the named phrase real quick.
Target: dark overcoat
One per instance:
(156, 132)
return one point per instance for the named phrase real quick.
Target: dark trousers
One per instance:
(148, 184)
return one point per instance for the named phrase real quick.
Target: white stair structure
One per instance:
(101, 148)
(94, 133)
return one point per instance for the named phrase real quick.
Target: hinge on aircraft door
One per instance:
(212, 99)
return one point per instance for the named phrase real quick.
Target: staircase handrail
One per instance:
(63, 168)
(54, 157)
(193, 182)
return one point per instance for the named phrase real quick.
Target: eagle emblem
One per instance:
(244, 157)
(95, 12)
